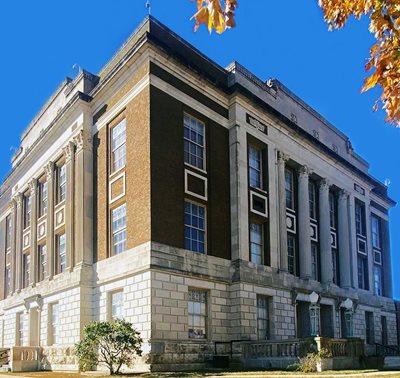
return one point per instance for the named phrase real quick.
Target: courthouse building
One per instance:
(210, 208)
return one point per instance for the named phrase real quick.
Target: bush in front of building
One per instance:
(310, 362)
(113, 344)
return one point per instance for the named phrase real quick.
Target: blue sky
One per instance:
(41, 40)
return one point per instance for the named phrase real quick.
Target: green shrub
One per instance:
(113, 343)
(308, 364)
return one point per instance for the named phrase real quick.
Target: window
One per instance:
(193, 141)
(61, 181)
(195, 227)
(42, 199)
(62, 255)
(347, 322)
(117, 305)
(27, 211)
(263, 318)
(376, 232)
(291, 254)
(20, 325)
(312, 199)
(197, 312)
(255, 167)
(118, 146)
(314, 262)
(362, 272)
(289, 189)
(54, 317)
(119, 229)
(335, 266)
(360, 218)
(384, 330)
(314, 319)
(256, 243)
(369, 327)
(26, 262)
(332, 210)
(377, 280)
(7, 286)
(8, 232)
(42, 262)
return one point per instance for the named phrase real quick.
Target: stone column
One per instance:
(304, 224)
(282, 159)
(69, 152)
(239, 193)
(18, 242)
(50, 219)
(34, 249)
(344, 240)
(325, 233)
(84, 199)
(13, 255)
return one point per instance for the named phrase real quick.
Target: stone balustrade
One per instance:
(25, 358)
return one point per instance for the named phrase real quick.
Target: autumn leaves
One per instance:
(210, 13)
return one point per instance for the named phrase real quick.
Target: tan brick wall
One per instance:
(135, 78)
(138, 170)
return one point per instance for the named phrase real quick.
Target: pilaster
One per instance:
(69, 152)
(13, 206)
(34, 250)
(239, 193)
(283, 255)
(84, 199)
(344, 240)
(304, 224)
(325, 233)
(50, 219)
(18, 243)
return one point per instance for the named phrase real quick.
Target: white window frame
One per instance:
(8, 232)
(115, 305)
(120, 230)
(61, 183)
(291, 237)
(121, 146)
(26, 263)
(42, 262)
(289, 190)
(314, 262)
(258, 161)
(20, 329)
(43, 195)
(198, 312)
(61, 253)
(376, 233)
(198, 229)
(312, 199)
(257, 243)
(263, 317)
(54, 323)
(27, 210)
(195, 143)
(315, 319)
(378, 284)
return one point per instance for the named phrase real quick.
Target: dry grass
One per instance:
(255, 374)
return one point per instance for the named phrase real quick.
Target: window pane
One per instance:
(119, 229)
(256, 243)
(194, 227)
(117, 305)
(62, 253)
(197, 314)
(193, 141)
(289, 189)
(118, 146)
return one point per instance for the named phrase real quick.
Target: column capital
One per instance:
(32, 186)
(83, 140)
(343, 194)
(68, 151)
(304, 171)
(49, 169)
(324, 184)
(282, 157)
(18, 199)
